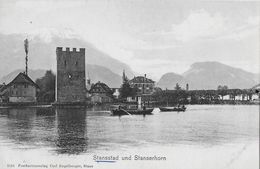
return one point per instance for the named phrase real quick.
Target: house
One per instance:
(116, 92)
(101, 93)
(145, 88)
(256, 93)
(144, 85)
(21, 89)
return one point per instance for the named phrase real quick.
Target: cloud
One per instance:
(143, 35)
(199, 24)
(204, 36)
(253, 20)
(203, 25)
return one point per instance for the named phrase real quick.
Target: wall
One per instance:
(22, 93)
(255, 97)
(100, 98)
(131, 99)
(144, 88)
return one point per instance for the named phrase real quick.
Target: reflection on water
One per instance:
(20, 124)
(71, 125)
(77, 131)
(28, 127)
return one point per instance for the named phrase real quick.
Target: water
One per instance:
(209, 131)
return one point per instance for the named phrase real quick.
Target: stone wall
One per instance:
(70, 79)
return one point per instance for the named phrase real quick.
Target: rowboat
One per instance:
(165, 109)
(120, 112)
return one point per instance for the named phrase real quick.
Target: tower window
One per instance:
(76, 63)
(65, 63)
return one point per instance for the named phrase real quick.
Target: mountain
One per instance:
(42, 53)
(99, 73)
(257, 77)
(169, 81)
(208, 75)
(96, 73)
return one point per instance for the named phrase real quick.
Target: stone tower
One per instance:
(70, 79)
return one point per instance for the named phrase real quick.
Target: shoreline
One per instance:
(88, 105)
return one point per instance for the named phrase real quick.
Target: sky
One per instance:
(152, 37)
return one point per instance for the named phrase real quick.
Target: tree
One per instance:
(222, 87)
(126, 90)
(222, 91)
(47, 87)
(177, 87)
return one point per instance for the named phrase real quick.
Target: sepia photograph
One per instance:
(129, 84)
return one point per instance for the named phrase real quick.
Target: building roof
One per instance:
(256, 86)
(22, 78)
(141, 79)
(103, 88)
(2, 88)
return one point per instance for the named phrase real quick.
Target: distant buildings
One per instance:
(20, 89)
(101, 93)
(256, 95)
(252, 94)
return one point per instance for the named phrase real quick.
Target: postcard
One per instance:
(136, 84)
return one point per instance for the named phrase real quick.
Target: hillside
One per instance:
(169, 80)
(96, 73)
(208, 75)
(42, 54)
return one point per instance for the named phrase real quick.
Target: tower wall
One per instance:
(70, 79)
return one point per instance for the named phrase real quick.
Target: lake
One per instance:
(205, 136)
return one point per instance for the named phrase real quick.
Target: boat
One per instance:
(121, 111)
(165, 109)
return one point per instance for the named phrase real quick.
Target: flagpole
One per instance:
(26, 46)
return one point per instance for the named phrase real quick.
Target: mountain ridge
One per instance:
(96, 72)
(208, 75)
(42, 54)
(198, 76)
